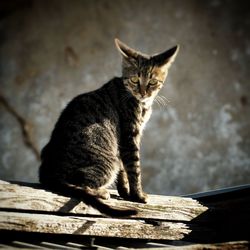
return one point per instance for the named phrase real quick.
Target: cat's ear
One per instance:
(125, 50)
(129, 55)
(165, 59)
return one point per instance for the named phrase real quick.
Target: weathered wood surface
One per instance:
(104, 227)
(27, 208)
(159, 207)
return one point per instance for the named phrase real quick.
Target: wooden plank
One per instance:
(105, 227)
(19, 196)
(227, 207)
(20, 244)
(218, 192)
(212, 218)
(239, 245)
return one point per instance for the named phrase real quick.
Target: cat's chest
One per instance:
(144, 117)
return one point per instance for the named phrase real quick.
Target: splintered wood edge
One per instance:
(24, 197)
(105, 227)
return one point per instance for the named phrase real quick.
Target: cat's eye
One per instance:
(153, 82)
(134, 79)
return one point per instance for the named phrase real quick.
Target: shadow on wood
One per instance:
(202, 218)
(227, 217)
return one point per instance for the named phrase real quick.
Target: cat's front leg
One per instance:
(131, 163)
(123, 184)
(136, 192)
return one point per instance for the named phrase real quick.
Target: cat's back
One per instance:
(88, 118)
(90, 108)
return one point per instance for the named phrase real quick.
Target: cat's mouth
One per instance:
(145, 100)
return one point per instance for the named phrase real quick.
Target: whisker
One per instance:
(165, 98)
(161, 101)
(158, 102)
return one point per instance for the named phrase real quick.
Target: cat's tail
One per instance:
(91, 200)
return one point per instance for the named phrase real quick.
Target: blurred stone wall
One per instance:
(50, 51)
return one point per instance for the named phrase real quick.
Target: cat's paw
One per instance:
(103, 194)
(139, 197)
(124, 193)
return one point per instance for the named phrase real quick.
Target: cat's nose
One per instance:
(142, 90)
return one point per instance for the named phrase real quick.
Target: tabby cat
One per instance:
(96, 140)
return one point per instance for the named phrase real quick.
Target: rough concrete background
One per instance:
(51, 51)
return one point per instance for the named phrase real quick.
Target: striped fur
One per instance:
(96, 140)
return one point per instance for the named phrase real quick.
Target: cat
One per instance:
(96, 139)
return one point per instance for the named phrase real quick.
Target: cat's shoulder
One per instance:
(87, 96)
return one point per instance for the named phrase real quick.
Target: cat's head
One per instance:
(144, 75)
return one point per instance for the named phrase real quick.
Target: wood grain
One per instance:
(158, 207)
(106, 227)
(211, 218)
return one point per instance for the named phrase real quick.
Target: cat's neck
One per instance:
(147, 104)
